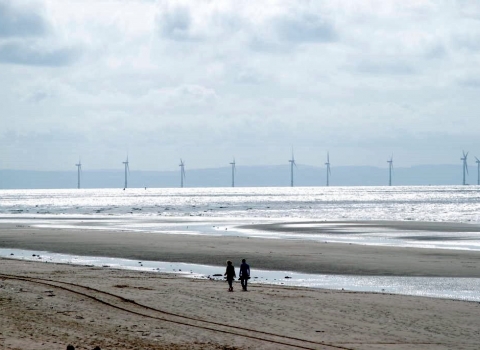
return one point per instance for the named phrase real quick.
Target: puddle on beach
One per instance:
(438, 287)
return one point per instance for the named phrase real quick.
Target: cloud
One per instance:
(473, 82)
(21, 21)
(31, 53)
(195, 92)
(244, 25)
(176, 23)
(392, 66)
(203, 21)
(226, 76)
(27, 37)
(304, 28)
(280, 32)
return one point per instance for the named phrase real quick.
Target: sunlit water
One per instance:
(225, 211)
(423, 203)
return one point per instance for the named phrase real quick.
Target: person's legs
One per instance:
(230, 286)
(244, 283)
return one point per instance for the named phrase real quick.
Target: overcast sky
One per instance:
(207, 81)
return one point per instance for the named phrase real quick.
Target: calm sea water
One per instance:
(422, 203)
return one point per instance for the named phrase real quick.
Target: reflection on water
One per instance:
(417, 203)
(438, 287)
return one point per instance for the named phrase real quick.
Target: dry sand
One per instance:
(201, 314)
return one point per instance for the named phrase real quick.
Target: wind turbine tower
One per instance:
(233, 172)
(465, 166)
(292, 163)
(127, 169)
(182, 172)
(328, 169)
(478, 170)
(390, 168)
(79, 169)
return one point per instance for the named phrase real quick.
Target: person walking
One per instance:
(230, 273)
(244, 274)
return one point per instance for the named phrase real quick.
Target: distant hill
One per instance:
(246, 176)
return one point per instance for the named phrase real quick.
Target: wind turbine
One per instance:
(233, 172)
(182, 172)
(465, 166)
(478, 170)
(292, 163)
(127, 168)
(328, 169)
(79, 169)
(390, 168)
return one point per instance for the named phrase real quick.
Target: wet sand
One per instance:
(271, 254)
(360, 226)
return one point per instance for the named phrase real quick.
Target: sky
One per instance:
(209, 81)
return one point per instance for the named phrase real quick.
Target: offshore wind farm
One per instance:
(127, 170)
(234, 169)
(478, 170)
(79, 171)
(244, 175)
(182, 173)
(390, 170)
(292, 164)
(464, 167)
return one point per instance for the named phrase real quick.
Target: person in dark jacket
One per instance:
(230, 273)
(244, 274)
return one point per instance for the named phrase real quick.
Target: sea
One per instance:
(226, 211)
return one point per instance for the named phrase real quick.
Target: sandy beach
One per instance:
(47, 306)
